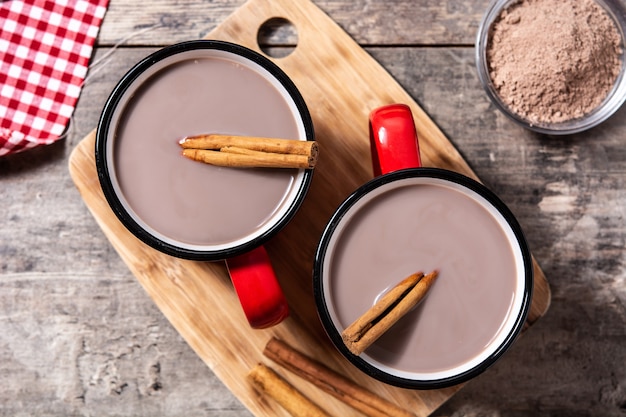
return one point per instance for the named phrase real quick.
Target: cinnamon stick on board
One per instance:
(262, 152)
(268, 381)
(387, 311)
(331, 382)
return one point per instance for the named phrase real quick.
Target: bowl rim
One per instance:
(103, 163)
(319, 289)
(609, 106)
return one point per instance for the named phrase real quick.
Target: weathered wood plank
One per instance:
(427, 22)
(80, 344)
(75, 326)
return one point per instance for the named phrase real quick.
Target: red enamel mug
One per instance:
(193, 210)
(409, 219)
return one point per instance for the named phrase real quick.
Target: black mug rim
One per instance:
(318, 285)
(102, 162)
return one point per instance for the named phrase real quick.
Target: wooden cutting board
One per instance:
(340, 83)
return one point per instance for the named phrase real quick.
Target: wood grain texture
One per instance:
(182, 289)
(429, 22)
(80, 336)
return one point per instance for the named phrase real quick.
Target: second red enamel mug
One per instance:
(409, 219)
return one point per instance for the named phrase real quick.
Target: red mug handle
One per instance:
(393, 139)
(259, 292)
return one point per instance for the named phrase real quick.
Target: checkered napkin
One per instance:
(45, 47)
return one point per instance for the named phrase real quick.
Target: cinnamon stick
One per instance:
(254, 143)
(292, 400)
(293, 160)
(332, 382)
(387, 311)
(248, 159)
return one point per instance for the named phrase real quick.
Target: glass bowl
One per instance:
(613, 101)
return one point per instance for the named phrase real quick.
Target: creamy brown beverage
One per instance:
(189, 203)
(425, 224)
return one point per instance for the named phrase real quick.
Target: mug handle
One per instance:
(393, 139)
(259, 292)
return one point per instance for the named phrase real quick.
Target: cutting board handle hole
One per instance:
(277, 37)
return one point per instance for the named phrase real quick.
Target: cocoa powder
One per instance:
(554, 60)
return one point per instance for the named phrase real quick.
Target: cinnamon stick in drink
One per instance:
(269, 382)
(289, 160)
(254, 143)
(250, 152)
(387, 311)
(332, 382)
(236, 158)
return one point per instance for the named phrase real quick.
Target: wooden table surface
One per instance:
(79, 336)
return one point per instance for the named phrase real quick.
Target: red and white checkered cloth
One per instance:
(45, 47)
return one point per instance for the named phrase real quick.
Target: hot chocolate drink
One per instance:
(425, 224)
(193, 204)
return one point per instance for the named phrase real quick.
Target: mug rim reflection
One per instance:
(104, 166)
(320, 290)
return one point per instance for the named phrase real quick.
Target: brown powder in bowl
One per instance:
(553, 60)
